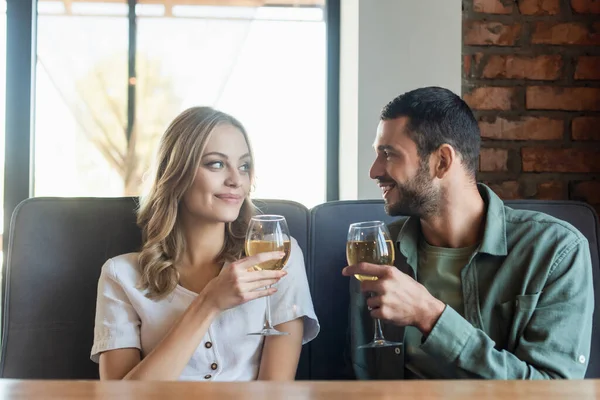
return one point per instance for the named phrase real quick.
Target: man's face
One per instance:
(406, 182)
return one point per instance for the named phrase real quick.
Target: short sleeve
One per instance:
(292, 299)
(117, 323)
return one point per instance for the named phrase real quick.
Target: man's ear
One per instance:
(445, 156)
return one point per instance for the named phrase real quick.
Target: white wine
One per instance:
(254, 247)
(366, 251)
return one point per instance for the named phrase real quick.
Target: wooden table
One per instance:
(463, 390)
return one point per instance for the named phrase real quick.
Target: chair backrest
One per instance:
(56, 249)
(329, 358)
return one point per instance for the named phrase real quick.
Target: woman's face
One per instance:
(222, 179)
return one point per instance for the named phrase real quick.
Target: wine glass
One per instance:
(370, 242)
(268, 233)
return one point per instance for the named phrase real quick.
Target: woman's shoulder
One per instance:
(123, 268)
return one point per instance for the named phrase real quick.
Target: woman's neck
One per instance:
(204, 241)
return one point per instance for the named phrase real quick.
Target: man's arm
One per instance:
(554, 344)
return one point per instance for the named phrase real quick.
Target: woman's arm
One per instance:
(235, 285)
(280, 354)
(170, 356)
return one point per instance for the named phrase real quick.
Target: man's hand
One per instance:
(397, 297)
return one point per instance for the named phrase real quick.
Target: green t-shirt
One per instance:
(439, 271)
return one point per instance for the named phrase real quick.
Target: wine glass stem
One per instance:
(378, 335)
(268, 311)
(377, 331)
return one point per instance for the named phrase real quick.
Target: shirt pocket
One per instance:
(514, 315)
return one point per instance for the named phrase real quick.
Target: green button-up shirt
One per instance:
(528, 302)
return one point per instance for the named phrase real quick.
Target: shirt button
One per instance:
(214, 366)
(207, 376)
(208, 345)
(582, 359)
(397, 350)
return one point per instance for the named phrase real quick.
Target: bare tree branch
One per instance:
(110, 101)
(78, 119)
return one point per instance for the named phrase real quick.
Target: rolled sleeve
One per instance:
(449, 336)
(117, 323)
(292, 299)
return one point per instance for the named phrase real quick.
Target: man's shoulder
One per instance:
(541, 233)
(529, 222)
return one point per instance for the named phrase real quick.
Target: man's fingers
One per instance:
(366, 269)
(382, 312)
(371, 286)
(374, 302)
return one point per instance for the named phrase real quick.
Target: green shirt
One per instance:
(527, 295)
(438, 269)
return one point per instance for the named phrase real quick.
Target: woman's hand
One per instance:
(237, 283)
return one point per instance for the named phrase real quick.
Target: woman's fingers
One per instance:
(249, 262)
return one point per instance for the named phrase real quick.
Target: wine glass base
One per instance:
(269, 332)
(380, 343)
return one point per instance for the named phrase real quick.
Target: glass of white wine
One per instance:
(268, 233)
(370, 242)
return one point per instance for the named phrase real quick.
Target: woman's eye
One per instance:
(215, 164)
(245, 167)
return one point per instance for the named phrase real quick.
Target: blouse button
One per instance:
(208, 345)
(207, 376)
(214, 366)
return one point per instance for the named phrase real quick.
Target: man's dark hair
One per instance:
(437, 116)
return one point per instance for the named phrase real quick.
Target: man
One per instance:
(479, 290)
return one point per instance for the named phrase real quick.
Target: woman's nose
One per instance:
(234, 179)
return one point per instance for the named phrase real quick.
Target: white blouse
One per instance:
(125, 317)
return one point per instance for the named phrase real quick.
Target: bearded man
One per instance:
(478, 290)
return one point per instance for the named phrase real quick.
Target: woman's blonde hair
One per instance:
(181, 148)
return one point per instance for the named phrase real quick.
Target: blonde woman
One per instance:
(182, 307)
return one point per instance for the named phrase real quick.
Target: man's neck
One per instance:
(460, 222)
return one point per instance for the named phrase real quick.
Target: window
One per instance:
(264, 65)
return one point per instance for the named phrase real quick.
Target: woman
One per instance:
(183, 306)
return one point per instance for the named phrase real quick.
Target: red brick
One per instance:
(558, 98)
(490, 33)
(539, 159)
(507, 190)
(524, 128)
(493, 160)
(539, 7)
(586, 128)
(553, 190)
(587, 191)
(520, 67)
(478, 58)
(566, 33)
(586, 6)
(493, 6)
(491, 98)
(588, 67)
(466, 65)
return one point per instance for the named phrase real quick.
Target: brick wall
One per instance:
(531, 72)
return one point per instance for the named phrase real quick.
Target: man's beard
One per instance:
(418, 197)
